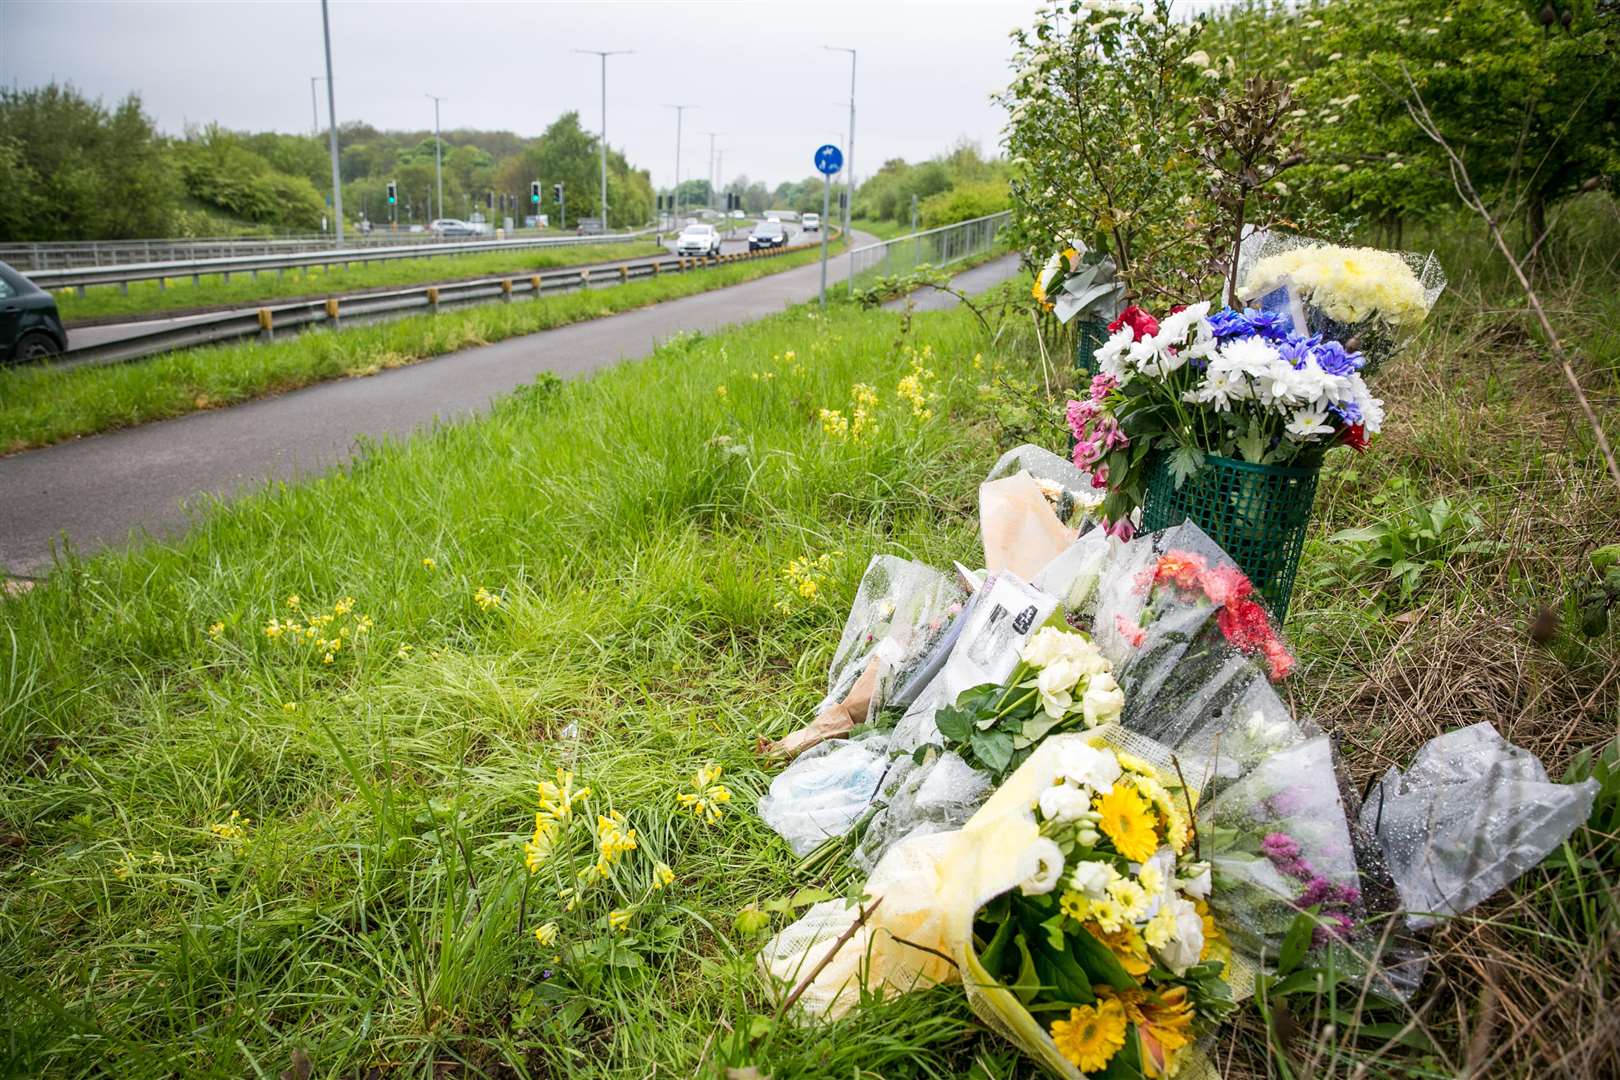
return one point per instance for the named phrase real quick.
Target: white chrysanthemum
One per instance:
(1308, 423)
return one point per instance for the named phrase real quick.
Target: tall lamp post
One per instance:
(331, 110)
(679, 109)
(713, 205)
(849, 162)
(604, 54)
(438, 154)
(314, 112)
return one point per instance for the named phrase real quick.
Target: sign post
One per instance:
(829, 159)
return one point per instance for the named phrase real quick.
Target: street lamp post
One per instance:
(331, 110)
(849, 162)
(679, 109)
(438, 154)
(314, 112)
(712, 136)
(604, 55)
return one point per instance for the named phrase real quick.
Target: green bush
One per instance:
(964, 203)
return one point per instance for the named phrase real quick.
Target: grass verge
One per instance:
(106, 302)
(591, 577)
(43, 405)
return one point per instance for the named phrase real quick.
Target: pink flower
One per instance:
(1085, 453)
(1184, 568)
(1099, 476)
(1079, 414)
(1113, 436)
(1121, 529)
(1101, 387)
(1132, 632)
(1225, 584)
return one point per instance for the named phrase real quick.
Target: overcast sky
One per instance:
(755, 69)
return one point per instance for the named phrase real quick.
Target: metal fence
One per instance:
(75, 254)
(933, 247)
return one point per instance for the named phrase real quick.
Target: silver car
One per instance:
(698, 240)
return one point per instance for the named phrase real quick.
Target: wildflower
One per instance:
(662, 876)
(721, 391)
(834, 424)
(405, 651)
(232, 829)
(327, 659)
(343, 606)
(557, 800)
(807, 588)
(216, 629)
(618, 918)
(486, 600)
(708, 797)
(429, 564)
(293, 601)
(1092, 1034)
(1128, 822)
(546, 934)
(538, 846)
(289, 706)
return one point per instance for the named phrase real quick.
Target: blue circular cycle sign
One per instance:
(829, 159)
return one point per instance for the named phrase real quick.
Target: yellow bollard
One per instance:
(332, 310)
(266, 324)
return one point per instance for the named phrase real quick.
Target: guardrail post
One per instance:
(506, 290)
(433, 299)
(196, 279)
(266, 325)
(332, 311)
(225, 277)
(534, 282)
(585, 279)
(80, 290)
(123, 287)
(624, 273)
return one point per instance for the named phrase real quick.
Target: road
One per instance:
(112, 488)
(82, 337)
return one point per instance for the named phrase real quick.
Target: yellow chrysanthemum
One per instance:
(1092, 1035)
(1074, 904)
(1131, 898)
(1127, 820)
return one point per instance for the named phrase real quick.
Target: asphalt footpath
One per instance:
(137, 483)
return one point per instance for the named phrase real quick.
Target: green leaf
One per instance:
(1029, 982)
(1100, 962)
(994, 749)
(1296, 943)
(1186, 461)
(806, 897)
(954, 723)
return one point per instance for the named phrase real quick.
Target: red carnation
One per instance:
(1355, 436)
(1141, 323)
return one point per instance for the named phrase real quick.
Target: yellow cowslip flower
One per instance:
(363, 625)
(289, 706)
(216, 629)
(789, 355)
(557, 800)
(978, 361)
(808, 588)
(343, 606)
(707, 798)
(662, 876)
(273, 629)
(618, 918)
(538, 846)
(428, 564)
(404, 651)
(863, 394)
(613, 840)
(293, 601)
(546, 934)
(232, 829)
(721, 391)
(569, 897)
(327, 659)
(486, 600)
(834, 424)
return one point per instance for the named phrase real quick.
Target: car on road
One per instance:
(737, 214)
(698, 239)
(453, 227)
(30, 327)
(767, 234)
(811, 222)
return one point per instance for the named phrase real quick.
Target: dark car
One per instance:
(30, 328)
(767, 234)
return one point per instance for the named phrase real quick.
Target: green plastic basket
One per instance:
(1090, 335)
(1257, 513)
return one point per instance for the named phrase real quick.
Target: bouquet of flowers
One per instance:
(1075, 282)
(1236, 384)
(1370, 300)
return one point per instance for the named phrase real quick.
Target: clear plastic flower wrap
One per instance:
(824, 792)
(1022, 531)
(1070, 491)
(1075, 576)
(1469, 815)
(1280, 843)
(1369, 300)
(939, 794)
(901, 609)
(1186, 636)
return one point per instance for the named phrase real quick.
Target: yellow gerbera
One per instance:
(1127, 820)
(1092, 1034)
(1127, 946)
(1163, 1021)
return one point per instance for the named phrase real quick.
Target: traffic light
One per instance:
(393, 194)
(534, 192)
(556, 193)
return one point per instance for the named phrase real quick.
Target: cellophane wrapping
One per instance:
(825, 791)
(1071, 492)
(1470, 815)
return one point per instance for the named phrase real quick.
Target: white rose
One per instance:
(1046, 646)
(1055, 683)
(1063, 802)
(1184, 948)
(1196, 882)
(1088, 766)
(1103, 700)
(1092, 878)
(1047, 870)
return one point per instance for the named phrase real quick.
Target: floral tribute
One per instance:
(1241, 621)
(1113, 944)
(1279, 384)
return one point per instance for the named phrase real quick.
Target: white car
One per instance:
(698, 240)
(454, 227)
(810, 222)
